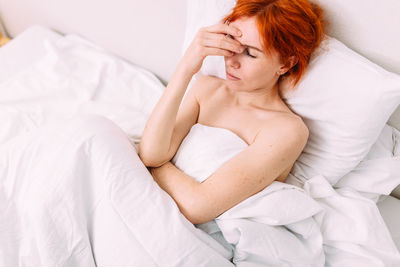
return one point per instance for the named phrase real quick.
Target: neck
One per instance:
(258, 98)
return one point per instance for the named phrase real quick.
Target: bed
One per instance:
(41, 44)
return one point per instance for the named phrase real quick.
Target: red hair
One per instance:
(290, 27)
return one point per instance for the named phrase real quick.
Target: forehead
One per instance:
(250, 35)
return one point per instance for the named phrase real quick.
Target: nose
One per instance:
(233, 61)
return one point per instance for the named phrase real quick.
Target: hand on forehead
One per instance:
(250, 36)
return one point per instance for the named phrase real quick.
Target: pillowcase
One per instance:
(378, 173)
(201, 13)
(344, 99)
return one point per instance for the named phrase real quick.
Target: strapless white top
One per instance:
(200, 154)
(205, 149)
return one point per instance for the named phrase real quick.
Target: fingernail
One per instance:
(239, 33)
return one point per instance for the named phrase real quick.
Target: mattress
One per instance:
(28, 47)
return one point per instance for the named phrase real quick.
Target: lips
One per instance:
(231, 77)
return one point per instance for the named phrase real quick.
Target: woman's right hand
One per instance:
(211, 40)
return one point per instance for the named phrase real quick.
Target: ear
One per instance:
(290, 63)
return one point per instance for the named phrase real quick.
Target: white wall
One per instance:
(146, 32)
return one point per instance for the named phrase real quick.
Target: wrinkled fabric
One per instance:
(306, 223)
(57, 182)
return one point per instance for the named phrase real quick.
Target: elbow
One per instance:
(192, 217)
(197, 213)
(148, 159)
(150, 163)
(144, 158)
(198, 220)
(195, 218)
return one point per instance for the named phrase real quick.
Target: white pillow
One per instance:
(369, 27)
(344, 99)
(202, 13)
(378, 173)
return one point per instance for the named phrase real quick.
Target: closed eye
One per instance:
(247, 53)
(246, 50)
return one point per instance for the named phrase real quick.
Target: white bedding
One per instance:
(284, 225)
(24, 50)
(75, 77)
(73, 191)
(54, 180)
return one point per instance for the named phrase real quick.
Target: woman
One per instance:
(263, 42)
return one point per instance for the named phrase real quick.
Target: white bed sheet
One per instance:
(66, 214)
(389, 208)
(24, 50)
(28, 48)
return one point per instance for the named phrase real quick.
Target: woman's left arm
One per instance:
(275, 149)
(183, 188)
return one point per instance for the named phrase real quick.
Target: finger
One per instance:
(223, 43)
(213, 51)
(222, 37)
(224, 28)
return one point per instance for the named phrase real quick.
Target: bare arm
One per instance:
(157, 140)
(157, 134)
(249, 172)
(275, 149)
(183, 188)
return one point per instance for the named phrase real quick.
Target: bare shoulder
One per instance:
(206, 86)
(288, 134)
(286, 128)
(295, 122)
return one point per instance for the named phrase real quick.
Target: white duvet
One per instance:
(73, 191)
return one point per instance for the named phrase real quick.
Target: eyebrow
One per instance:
(258, 49)
(249, 46)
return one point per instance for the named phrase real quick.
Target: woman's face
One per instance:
(253, 68)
